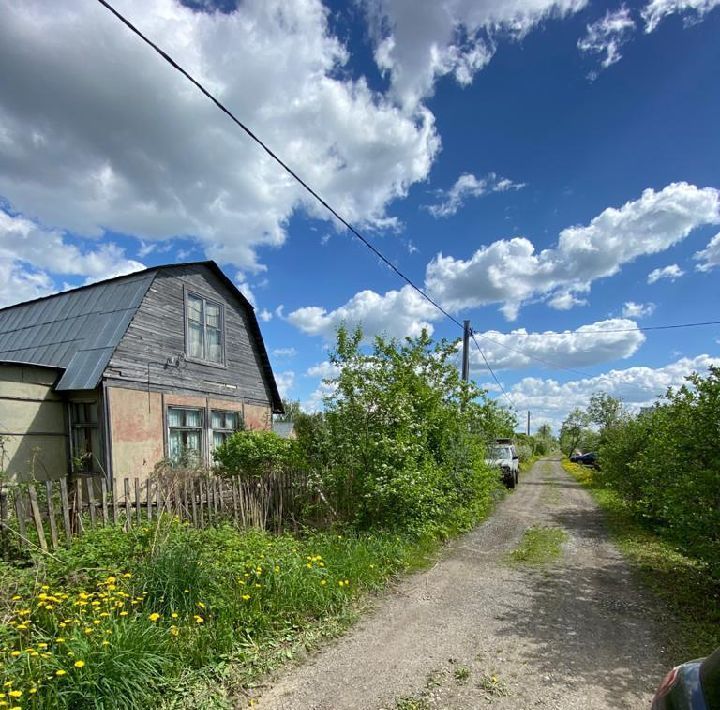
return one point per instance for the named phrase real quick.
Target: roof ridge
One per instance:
(84, 287)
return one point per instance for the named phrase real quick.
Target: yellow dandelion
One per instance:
(17, 598)
(60, 672)
(323, 582)
(79, 664)
(174, 615)
(154, 616)
(15, 693)
(245, 597)
(198, 619)
(174, 631)
(15, 653)
(123, 613)
(105, 643)
(42, 646)
(201, 605)
(60, 639)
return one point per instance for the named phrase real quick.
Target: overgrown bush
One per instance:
(401, 442)
(666, 463)
(254, 454)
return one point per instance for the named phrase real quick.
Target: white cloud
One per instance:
(509, 271)
(285, 381)
(709, 257)
(564, 301)
(467, 185)
(23, 243)
(98, 133)
(395, 314)
(672, 272)
(265, 315)
(591, 344)
(607, 35)
(314, 403)
(636, 386)
(326, 370)
(692, 10)
(631, 309)
(418, 42)
(284, 352)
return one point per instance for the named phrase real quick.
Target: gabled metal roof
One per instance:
(77, 331)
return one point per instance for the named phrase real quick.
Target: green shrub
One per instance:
(254, 454)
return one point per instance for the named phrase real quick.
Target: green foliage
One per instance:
(253, 453)
(401, 442)
(183, 601)
(666, 463)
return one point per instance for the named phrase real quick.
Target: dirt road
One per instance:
(476, 630)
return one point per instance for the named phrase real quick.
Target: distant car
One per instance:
(504, 456)
(694, 685)
(589, 459)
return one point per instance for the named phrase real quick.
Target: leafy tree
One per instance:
(401, 440)
(573, 431)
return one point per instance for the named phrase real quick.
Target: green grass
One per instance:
(684, 584)
(539, 545)
(172, 616)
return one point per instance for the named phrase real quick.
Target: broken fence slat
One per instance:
(37, 518)
(51, 515)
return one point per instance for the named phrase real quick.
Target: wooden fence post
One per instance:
(103, 493)
(37, 518)
(138, 509)
(90, 489)
(3, 524)
(51, 514)
(20, 514)
(65, 506)
(128, 515)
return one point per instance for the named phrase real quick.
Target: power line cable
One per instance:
(277, 159)
(494, 376)
(344, 221)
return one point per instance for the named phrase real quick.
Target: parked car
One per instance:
(503, 455)
(694, 685)
(589, 459)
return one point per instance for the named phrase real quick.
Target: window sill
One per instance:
(208, 363)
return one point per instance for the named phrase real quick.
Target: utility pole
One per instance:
(466, 351)
(528, 424)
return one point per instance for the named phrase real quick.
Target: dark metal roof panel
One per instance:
(77, 330)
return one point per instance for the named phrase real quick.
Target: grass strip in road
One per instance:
(683, 583)
(539, 545)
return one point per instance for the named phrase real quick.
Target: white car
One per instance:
(505, 457)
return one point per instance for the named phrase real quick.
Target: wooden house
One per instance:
(114, 377)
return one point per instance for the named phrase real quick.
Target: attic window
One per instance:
(204, 329)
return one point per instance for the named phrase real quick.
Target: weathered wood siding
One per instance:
(157, 332)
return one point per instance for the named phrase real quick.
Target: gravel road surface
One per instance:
(476, 630)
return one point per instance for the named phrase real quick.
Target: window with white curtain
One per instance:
(185, 429)
(223, 424)
(204, 329)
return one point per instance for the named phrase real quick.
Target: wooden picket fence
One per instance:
(50, 513)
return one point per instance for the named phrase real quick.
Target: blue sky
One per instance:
(547, 169)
